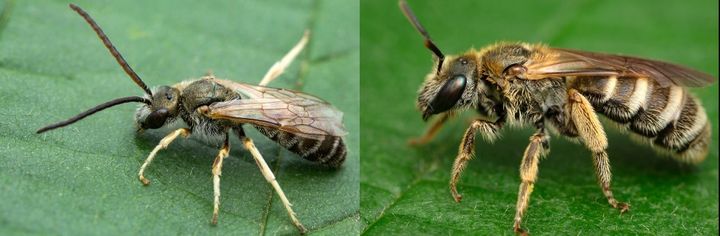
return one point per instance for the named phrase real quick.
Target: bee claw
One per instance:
(520, 231)
(623, 207)
(144, 181)
(214, 220)
(302, 229)
(458, 198)
(456, 195)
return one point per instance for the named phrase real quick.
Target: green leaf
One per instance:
(82, 179)
(405, 190)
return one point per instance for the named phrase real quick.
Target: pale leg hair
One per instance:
(592, 134)
(489, 131)
(163, 144)
(270, 177)
(276, 70)
(216, 172)
(279, 67)
(528, 175)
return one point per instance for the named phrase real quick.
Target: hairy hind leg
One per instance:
(270, 177)
(592, 134)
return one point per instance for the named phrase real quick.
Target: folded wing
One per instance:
(567, 62)
(287, 110)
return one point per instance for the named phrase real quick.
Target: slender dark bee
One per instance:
(560, 90)
(301, 123)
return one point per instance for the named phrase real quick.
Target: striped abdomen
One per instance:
(670, 117)
(329, 150)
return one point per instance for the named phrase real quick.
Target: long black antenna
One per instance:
(93, 110)
(130, 72)
(429, 44)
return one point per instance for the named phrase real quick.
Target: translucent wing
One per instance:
(567, 62)
(299, 113)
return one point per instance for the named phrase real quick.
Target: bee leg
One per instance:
(591, 132)
(270, 177)
(216, 172)
(162, 145)
(279, 67)
(430, 132)
(602, 171)
(528, 173)
(489, 130)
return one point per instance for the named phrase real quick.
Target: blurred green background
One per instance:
(82, 180)
(405, 190)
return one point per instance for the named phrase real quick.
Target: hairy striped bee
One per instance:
(561, 90)
(212, 107)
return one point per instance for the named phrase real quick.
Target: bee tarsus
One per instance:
(467, 149)
(216, 172)
(164, 143)
(270, 177)
(528, 174)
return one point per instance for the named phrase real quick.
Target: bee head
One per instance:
(163, 107)
(450, 85)
(453, 80)
(160, 105)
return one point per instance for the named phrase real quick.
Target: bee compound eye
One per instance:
(156, 119)
(449, 94)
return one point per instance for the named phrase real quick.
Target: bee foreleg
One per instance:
(431, 131)
(216, 172)
(489, 130)
(591, 132)
(270, 177)
(162, 145)
(528, 174)
(279, 67)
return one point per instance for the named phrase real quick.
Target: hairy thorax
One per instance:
(203, 92)
(527, 101)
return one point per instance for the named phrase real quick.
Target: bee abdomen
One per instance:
(689, 134)
(328, 150)
(668, 116)
(618, 98)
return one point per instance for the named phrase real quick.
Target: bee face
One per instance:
(164, 107)
(450, 86)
